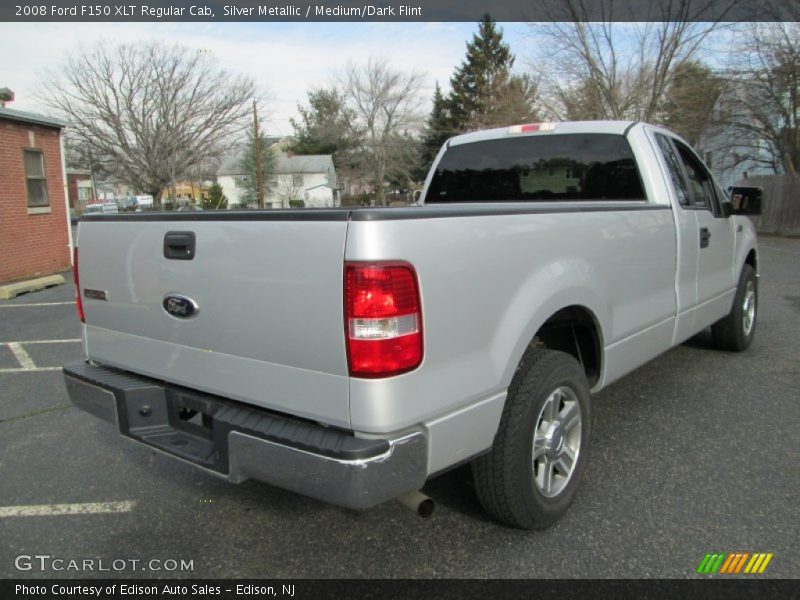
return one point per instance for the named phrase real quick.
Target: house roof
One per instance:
(229, 165)
(309, 163)
(284, 164)
(29, 117)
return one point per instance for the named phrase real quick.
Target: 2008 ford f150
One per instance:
(351, 354)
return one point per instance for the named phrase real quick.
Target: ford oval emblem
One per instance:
(180, 307)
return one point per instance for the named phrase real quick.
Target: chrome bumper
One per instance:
(239, 442)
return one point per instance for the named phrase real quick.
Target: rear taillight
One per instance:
(383, 318)
(78, 301)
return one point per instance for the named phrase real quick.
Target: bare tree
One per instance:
(386, 107)
(762, 99)
(149, 112)
(288, 189)
(613, 70)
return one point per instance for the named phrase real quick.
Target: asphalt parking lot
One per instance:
(696, 452)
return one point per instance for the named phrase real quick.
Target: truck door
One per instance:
(687, 232)
(715, 239)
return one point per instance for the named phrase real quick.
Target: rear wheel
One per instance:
(735, 332)
(530, 476)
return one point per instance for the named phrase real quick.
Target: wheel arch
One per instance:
(751, 259)
(570, 322)
(575, 330)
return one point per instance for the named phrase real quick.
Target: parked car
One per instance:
(543, 263)
(101, 208)
(128, 204)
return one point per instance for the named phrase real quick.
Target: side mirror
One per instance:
(745, 201)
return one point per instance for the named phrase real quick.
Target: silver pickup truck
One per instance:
(351, 354)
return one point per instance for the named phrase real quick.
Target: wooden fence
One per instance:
(780, 204)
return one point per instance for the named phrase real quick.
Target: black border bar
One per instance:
(396, 10)
(383, 589)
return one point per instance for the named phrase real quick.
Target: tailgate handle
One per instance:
(179, 245)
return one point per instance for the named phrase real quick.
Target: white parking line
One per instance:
(28, 342)
(26, 364)
(35, 304)
(48, 510)
(25, 361)
(33, 370)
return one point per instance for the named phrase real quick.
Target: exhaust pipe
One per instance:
(419, 503)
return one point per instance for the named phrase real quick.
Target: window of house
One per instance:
(84, 193)
(34, 174)
(240, 181)
(271, 182)
(297, 179)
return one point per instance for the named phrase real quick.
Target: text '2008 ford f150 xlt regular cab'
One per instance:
(351, 354)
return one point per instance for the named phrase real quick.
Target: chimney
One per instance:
(6, 95)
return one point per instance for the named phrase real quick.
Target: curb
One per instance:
(12, 290)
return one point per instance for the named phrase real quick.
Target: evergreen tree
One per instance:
(484, 93)
(324, 127)
(437, 129)
(690, 99)
(216, 199)
(248, 165)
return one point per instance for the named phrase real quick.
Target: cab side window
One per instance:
(675, 170)
(700, 182)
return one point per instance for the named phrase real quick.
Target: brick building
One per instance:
(35, 236)
(81, 189)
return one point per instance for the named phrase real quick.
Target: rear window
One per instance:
(540, 167)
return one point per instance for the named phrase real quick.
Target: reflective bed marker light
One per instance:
(383, 318)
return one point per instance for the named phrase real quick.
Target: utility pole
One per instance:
(259, 173)
(91, 178)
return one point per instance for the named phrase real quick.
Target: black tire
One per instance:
(730, 333)
(505, 479)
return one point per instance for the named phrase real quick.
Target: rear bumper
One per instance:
(239, 442)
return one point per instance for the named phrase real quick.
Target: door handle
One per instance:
(705, 236)
(179, 245)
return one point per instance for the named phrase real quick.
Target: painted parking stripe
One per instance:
(29, 342)
(24, 359)
(26, 364)
(36, 304)
(49, 510)
(29, 370)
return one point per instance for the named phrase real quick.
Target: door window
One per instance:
(700, 182)
(675, 171)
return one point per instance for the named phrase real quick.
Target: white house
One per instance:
(730, 146)
(307, 178)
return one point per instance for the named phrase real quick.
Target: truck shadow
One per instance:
(703, 340)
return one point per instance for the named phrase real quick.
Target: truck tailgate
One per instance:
(268, 329)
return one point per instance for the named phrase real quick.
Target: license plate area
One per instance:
(191, 413)
(175, 422)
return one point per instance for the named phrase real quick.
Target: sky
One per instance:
(285, 59)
